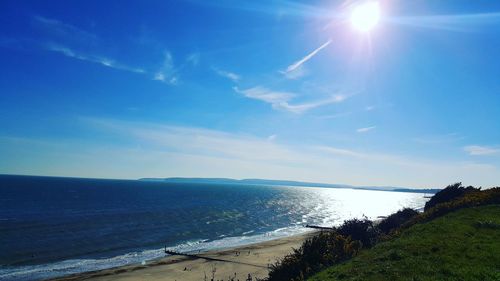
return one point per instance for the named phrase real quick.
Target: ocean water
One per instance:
(51, 227)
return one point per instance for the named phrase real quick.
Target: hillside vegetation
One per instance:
(462, 245)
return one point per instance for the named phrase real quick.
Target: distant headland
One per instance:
(287, 183)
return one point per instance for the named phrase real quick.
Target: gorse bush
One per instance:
(395, 220)
(469, 199)
(451, 192)
(359, 229)
(316, 253)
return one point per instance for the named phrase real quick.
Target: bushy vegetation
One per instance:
(361, 230)
(318, 252)
(344, 242)
(395, 220)
(462, 245)
(469, 199)
(450, 193)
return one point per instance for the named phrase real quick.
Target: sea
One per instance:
(51, 226)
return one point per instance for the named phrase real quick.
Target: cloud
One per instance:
(439, 139)
(233, 154)
(167, 72)
(193, 59)
(91, 58)
(366, 129)
(299, 72)
(456, 22)
(61, 30)
(297, 66)
(300, 108)
(264, 94)
(342, 152)
(336, 115)
(194, 140)
(227, 74)
(162, 150)
(281, 100)
(478, 150)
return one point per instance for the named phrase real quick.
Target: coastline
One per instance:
(252, 259)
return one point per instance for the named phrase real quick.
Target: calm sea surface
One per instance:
(56, 226)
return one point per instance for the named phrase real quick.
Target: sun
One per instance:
(365, 16)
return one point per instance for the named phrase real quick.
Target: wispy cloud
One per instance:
(193, 59)
(439, 139)
(167, 72)
(297, 66)
(91, 58)
(281, 100)
(187, 151)
(365, 129)
(303, 107)
(456, 22)
(227, 74)
(336, 115)
(275, 98)
(194, 140)
(60, 30)
(342, 152)
(478, 150)
(297, 73)
(278, 8)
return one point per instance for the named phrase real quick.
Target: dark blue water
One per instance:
(55, 226)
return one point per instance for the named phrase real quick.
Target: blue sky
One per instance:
(252, 89)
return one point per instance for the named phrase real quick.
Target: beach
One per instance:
(251, 259)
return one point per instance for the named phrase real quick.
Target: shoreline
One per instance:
(236, 262)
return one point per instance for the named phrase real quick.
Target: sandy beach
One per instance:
(251, 259)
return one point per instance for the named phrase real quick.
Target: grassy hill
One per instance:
(462, 245)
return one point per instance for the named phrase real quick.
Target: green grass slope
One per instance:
(463, 245)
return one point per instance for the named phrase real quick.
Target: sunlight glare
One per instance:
(365, 16)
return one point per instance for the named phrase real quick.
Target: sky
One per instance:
(252, 89)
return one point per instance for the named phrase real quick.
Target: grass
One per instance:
(462, 245)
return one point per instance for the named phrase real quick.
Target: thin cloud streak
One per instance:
(366, 129)
(227, 74)
(439, 139)
(298, 64)
(281, 100)
(478, 150)
(91, 58)
(458, 23)
(56, 28)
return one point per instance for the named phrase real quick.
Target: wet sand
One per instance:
(251, 259)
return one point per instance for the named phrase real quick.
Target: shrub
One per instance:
(448, 194)
(316, 253)
(361, 230)
(470, 199)
(395, 220)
